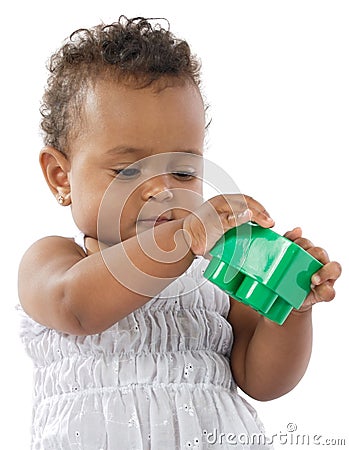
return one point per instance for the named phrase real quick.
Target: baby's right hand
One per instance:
(206, 225)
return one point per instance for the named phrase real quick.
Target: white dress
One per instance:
(158, 379)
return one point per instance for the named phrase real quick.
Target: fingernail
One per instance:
(316, 279)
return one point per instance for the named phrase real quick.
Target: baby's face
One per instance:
(137, 162)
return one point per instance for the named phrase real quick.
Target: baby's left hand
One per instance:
(323, 280)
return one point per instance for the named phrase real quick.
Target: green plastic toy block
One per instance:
(262, 269)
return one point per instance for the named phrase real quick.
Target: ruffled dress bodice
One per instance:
(158, 379)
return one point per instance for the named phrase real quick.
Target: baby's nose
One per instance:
(157, 188)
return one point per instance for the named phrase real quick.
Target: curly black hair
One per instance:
(133, 51)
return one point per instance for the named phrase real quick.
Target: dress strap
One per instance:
(80, 240)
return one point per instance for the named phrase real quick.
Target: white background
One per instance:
(276, 75)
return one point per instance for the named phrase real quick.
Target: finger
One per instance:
(259, 214)
(229, 204)
(319, 253)
(325, 292)
(304, 243)
(257, 207)
(330, 271)
(239, 203)
(262, 218)
(236, 219)
(293, 234)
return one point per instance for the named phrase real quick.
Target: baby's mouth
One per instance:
(155, 220)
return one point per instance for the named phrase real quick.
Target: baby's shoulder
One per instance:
(49, 247)
(42, 280)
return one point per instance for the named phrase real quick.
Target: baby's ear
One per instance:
(56, 168)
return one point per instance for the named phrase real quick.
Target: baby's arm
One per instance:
(63, 289)
(268, 360)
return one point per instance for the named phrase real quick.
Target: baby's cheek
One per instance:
(109, 216)
(186, 201)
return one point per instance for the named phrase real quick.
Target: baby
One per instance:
(132, 349)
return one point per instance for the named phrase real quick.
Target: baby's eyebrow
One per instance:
(122, 150)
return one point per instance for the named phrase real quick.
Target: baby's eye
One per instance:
(127, 173)
(184, 175)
